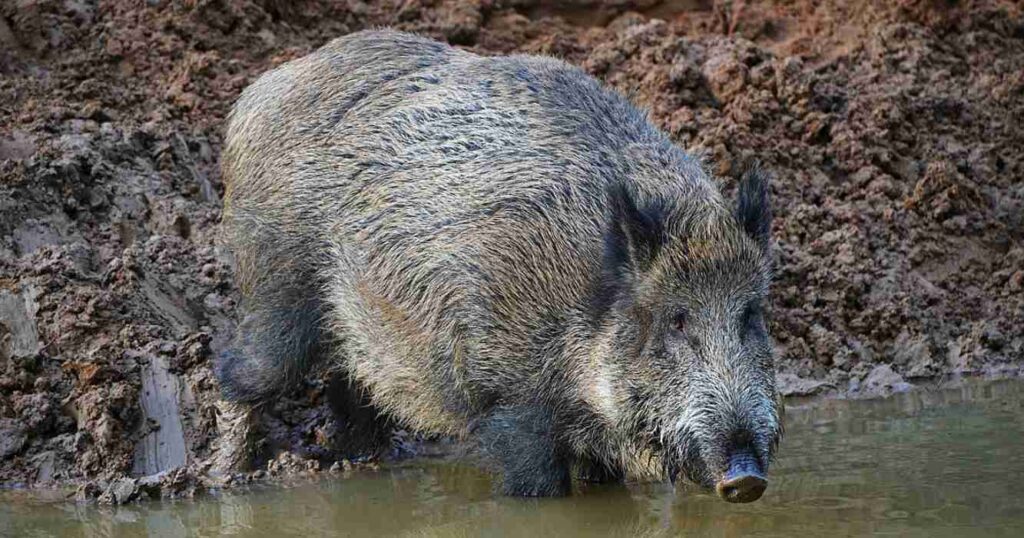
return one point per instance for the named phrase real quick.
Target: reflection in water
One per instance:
(941, 463)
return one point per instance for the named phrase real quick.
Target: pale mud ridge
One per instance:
(894, 130)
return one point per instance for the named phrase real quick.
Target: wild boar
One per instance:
(500, 247)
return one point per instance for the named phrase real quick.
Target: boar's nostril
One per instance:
(744, 481)
(744, 489)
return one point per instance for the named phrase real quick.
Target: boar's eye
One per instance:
(681, 321)
(681, 330)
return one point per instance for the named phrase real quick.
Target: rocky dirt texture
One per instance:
(894, 128)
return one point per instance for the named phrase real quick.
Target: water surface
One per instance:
(926, 463)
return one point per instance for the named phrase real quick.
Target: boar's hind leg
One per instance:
(523, 443)
(274, 345)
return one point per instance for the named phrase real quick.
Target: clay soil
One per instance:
(894, 130)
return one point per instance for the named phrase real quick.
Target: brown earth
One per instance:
(894, 129)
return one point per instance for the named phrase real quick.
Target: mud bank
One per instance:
(894, 130)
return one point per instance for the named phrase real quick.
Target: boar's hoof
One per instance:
(236, 440)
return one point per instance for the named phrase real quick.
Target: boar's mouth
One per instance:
(682, 460)
(737, 474)
(686, 464)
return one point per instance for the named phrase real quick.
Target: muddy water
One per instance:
(928, 463)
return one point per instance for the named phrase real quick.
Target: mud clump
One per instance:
(893, 129)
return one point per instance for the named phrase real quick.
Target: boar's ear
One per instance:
(753, 210)
(636, 233)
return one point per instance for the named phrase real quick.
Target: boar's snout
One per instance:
(744, 480)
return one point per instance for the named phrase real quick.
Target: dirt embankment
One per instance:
(894, 130)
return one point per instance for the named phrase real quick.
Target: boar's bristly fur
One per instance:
(501, 248)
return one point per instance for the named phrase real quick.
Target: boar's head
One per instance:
(689, 362)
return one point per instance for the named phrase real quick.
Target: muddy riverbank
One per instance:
(828, 482)
(893, 129)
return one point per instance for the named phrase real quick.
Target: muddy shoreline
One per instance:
(287, 471)
(893, 129)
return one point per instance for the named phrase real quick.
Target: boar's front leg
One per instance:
(522, 440)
